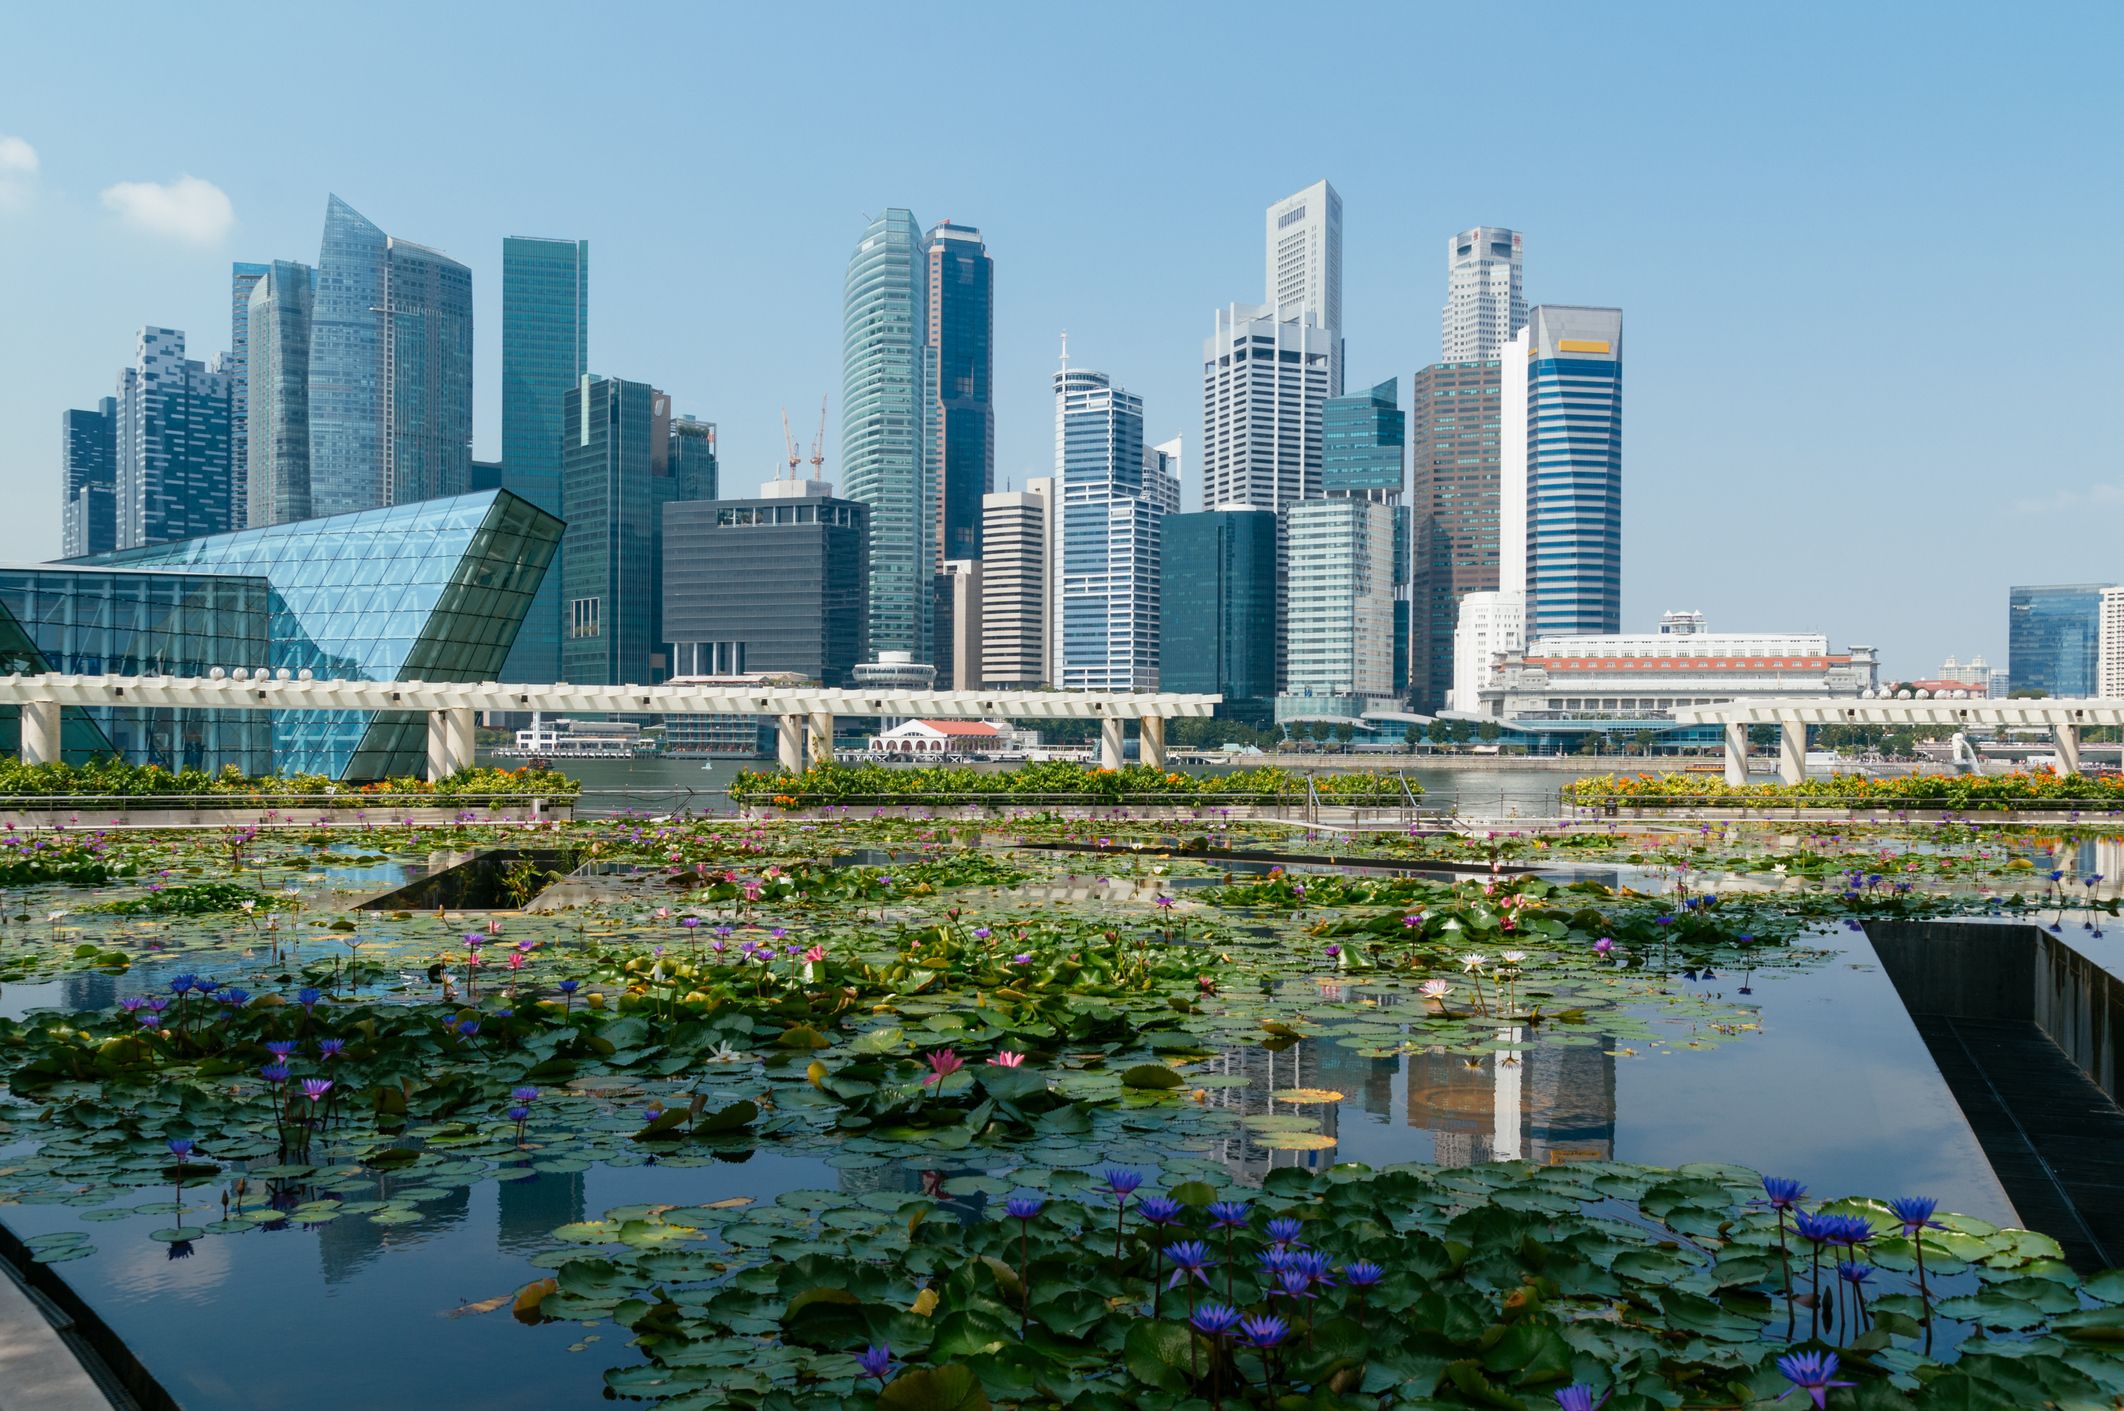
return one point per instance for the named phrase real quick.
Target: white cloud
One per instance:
(188, 209)
(18, 171)
(2073, 500)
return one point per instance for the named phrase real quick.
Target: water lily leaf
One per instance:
(1157, 1354)
(948, 1388)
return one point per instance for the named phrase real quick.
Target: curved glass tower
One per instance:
(347, 364)
(884, 318)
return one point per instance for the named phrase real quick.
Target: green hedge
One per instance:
(111, 778)
(1056, 782)
(1953, 791)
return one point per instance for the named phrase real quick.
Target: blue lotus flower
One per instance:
(1811, 1372)
(1915, 1213)
(1854, 1273)
(1158, 1209)
(234, 998)
(1783, 1192)
(1229, 1214)
(1214, 1319)
(1263, 1332)
(1285, 1229)
(308, 997)
(518, 1114)
(1023, 1207)
(281, 1048)
(1362, 1274)
(1190, 1259)
(876, 1362)
(1121, 1183)
(180, 984)
(180, 1147)
(1579, 1397)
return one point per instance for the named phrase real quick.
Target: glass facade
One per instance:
(1453, 549)
(1218, 614)
(347, 364)
(433, 591)
(172, 445)
(884, 328)
(545, 351)
(428, 374)
(87, 621)
(88, 479)
(243, 278)
(2053, 638)
(770, 585)
(1106, 607)
(278, 457)
(613, 499)
(958, 377)
(1361, 442)
(1574, 471)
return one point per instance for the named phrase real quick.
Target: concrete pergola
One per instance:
(2063, 718)
(804, 715)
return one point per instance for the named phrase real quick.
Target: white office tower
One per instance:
(1264, 382)
(1161, 475)
(1493, 623)
(1485, 301)
(1016, 532)
(1106, 596)
(1339, 608)
(2109, 646)
(1304, 252)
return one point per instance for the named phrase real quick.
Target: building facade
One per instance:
(1303, 247)
(545, 351)
(244, 276)
(613, 449)
(1489, 625)
(346, 364)
(88, 479)
(776, 584)
(1572, 420)
(2053, 638)
(1106, 595)
(1264, 383)
(955, 613)
(171, 445)
(958, 378)
(1486, 302)
(1453, 503)
(1338, 616)
(1217, 624)
(277, 342)
(1017, 535)
(696, 473)
(884, 323)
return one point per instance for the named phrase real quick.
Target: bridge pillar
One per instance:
(1791, 749)
(41, 732)
(818, 745)
(789, 742)
(449, 742)
(1110, 742)
(2067, 735)
(1151, 740)
(1737, 752)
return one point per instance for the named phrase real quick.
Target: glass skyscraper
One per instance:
(1362, 438)
(1454, 504)
(243, 278)
(1106, 602)
(172, 445)
(433, 591)
(545, 351)
(613, 499)
(278, 339)
(884, 325)
(2053, 638)
(88, 479)
(1573, 440)
(1217, 612)
(347, 364)
(428, 375)
(958, 378)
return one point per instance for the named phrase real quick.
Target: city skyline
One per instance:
(1754, 262)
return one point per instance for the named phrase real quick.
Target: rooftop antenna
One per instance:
(1065, 350)
(789, 442)
(818, 443)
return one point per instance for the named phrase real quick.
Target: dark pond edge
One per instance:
(453, 887)
(103, 1355)
(1201, 852)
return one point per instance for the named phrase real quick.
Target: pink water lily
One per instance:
(942, 1064)
(815, 954)
(1006, 1059)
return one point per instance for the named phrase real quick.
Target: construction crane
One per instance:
(818, 443)
(789, 441)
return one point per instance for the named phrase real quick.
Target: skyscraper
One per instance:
(1106, 599)
(1217, 611)
(2053, 638)
(695, 470)
(884, 325)
(1453, 505)
(172, 445)
(1363, 451)
(390, 369)
(277, 335)
(1017, 584)
(1572, 440)
(88, 479)
(545, 351)
(1264, 381)
(1339, 607)
(1485, 302)
(612, 551)
(958, 383)
(1304, 265)
(243, 278)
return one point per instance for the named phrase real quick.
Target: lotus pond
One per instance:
(855, 1112)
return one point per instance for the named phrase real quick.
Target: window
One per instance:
(585, 617)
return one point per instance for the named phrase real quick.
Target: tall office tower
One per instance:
(172, 445)
(2109, 642)
(1106, 598)
(886, 465)
(955, 611)
(773, 584)
(2054, 638)
(390, 369)
(695, 471)
(545, 351)
(612, 553)
(88, 479)
(1572, 444)
(1338, 630)
(1161, 475)
(1017, 531)
(958, 378)
(1453, 506)
(1363, 453)
(1485, 301)
(1264, 381)
(277, 337)
(243, 278)
(1217, 617)
(1304, 252)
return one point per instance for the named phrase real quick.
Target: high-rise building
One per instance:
(773, 584)
(1454, 512)
(1338, 617)
(88, 479)
(958, 378)
(1485, 301)
(955, 612)
(884, 326)
(1264, 381)
(1490, 624)
(244, 276)
(1572, 414)
(1363, 455)
(545, 351)
(1304, 271)
(390, 369)
(1217, 613)
(1106, 598)
(2109, 647)
(1017, 531)
(172, 445)
(277, 338)
(2053, 638)
(611, 564)
(695, 471)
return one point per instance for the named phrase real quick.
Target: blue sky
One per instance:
(1868, 254)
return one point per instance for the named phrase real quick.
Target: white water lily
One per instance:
(1473, 962)
(1512, 957)
(724, 1053)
